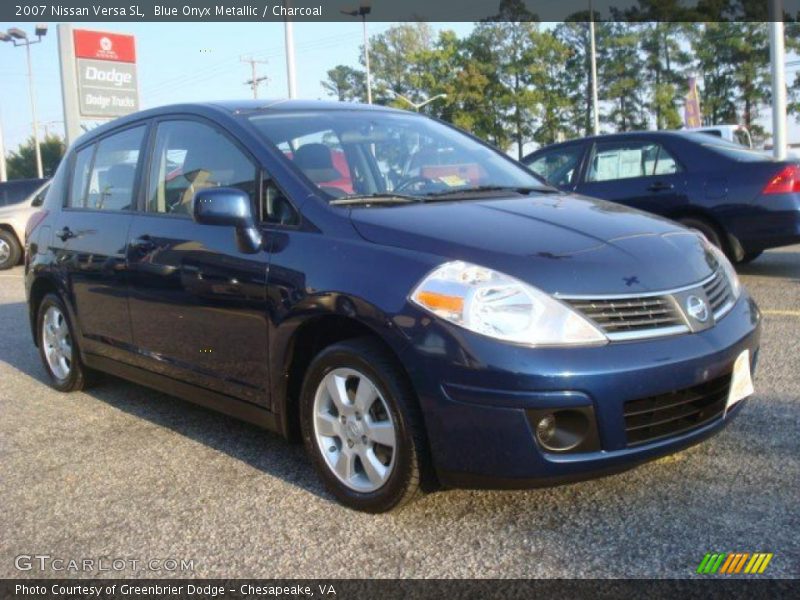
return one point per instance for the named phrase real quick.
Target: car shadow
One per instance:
(774, 264)
(264, 450)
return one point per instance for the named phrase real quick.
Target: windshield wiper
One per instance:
(378, 198)
(519, 189)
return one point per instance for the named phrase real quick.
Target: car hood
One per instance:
(560, 243)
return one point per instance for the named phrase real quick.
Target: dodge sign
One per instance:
(106, 69)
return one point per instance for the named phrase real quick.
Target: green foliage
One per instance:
(21, 163)
(346, 84)
(513, 82)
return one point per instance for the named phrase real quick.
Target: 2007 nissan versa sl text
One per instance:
(416, 306)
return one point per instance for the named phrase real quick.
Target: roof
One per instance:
(230, 108)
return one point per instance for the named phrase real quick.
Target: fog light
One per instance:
(546, 429)
(564, 430)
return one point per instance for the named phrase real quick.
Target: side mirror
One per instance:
(229, 207)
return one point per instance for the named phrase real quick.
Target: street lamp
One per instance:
(362, 11)
(18, 37)
(417, 105)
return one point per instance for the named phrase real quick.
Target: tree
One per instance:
(346, 84)
(551, 92)
(620, 78)
(664, 60)
(714, 63)
(397, 61)
(509, 52)
(21, 163)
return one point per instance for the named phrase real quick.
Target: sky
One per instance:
(180, 62)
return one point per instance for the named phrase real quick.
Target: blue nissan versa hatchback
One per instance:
(417, 307)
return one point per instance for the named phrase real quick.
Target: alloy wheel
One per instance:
(57, 342)
(5, 251)
(354, 430)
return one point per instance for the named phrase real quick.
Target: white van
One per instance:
(738, 134)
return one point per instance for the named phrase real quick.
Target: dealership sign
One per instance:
(105, 65)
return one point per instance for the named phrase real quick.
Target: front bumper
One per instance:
(475, 394)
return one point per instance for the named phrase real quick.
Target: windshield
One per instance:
(358, 153)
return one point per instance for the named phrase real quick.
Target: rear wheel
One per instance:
(10, 250)
(361, 427)
(750, 257)
(57, 346)
(707, 229)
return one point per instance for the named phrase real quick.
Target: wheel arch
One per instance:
(308, 338)
(732, 245)
(40, 287)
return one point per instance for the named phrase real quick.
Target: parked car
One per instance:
(448, 321)
(17, 190)
(13, 219)
(743, 201)
(736, 134)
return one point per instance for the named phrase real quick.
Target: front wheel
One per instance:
(10, 250)
(361, 427)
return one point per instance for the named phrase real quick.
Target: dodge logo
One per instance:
(697, 308)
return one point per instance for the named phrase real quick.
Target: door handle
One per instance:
(65, 234)
(660, 186)
(144, 243)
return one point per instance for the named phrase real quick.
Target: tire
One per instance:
(707, 229)
(10, 250)
(345, 459)
(56, 342)
(750, 257)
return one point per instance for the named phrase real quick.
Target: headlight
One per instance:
(727, 268)
(501, 307)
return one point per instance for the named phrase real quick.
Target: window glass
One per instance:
(190, 156)
(360, 152)
(743, 137)
(113, 172)
(277, 209)
(80, 176)
(38, 200)
(557, 167)
(626, 160)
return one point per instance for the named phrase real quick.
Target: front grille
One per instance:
(656, 417)
(626, 317)
(718, 292)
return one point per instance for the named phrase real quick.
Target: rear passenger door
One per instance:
(639, 173)
(90, 235)
(197, 302)
(560, 166)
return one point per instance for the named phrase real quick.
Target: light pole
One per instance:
(777, 53)
(417, 105)
(362, 11)
(288, 33)
(20, 38)
(595, 114)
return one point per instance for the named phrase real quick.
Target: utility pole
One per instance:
(777, 53)
(254, 80)
(3, 172)
(595, 113)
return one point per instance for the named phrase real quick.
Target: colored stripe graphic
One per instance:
(734, 562)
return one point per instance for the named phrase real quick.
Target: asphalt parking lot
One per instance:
(124, 472)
